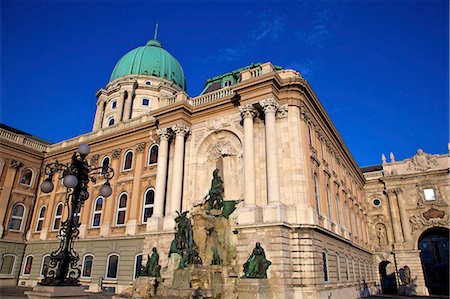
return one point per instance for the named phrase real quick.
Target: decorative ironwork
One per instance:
(62, 269)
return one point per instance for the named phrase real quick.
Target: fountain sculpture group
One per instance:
(202, 256)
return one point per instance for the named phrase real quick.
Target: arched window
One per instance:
(28, 264)
(330, 209)
(137, 265)
(111, 122)
(121, 209)
(77, 215)
(153, 154)
(128, 161)
(27, 177)
(147, 209)
(114, 104)
(112, 266)
(88, 261)
(7, 266)
(338, 265)
(105, 164)
(365, 270)
(347, 270)
(326, 276)
(58, 216)
(311, 135)
(45, 263)
(359, 269)
(97, 213)
(347, 225)
(148, 83)
(17, 216)
(353, 268)
(40, 220)
(338, 206)
(317, 193)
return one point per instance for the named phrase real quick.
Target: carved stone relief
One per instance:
(218, 124)
(221, 148)
(418, 222)
(94, 159)
(422, 161)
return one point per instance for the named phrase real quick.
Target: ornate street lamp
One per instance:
(62, 269)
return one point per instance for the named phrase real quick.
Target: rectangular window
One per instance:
(145, 102)
(429, 194)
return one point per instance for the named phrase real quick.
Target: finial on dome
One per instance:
(155, 36)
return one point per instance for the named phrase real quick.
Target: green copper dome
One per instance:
(151, 60)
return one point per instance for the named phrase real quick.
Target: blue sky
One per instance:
(380, 68)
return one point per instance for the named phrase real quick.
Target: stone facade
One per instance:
(21, 158)
(406, 200)
(304, 196)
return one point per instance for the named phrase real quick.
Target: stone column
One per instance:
(6, 193)
(249, 213)
(180, 131)
(406, 227)
(108, 215)
(273, 212)
(127, 106)
(154, 223)
(395, 219)
(99, 115)
(121, 106)
(135, 198)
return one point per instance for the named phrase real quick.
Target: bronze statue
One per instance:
(152, 268)
(257, 264)
(215, 195)
(216, 260)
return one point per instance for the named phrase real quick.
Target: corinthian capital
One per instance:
(247, 111)
(164, 134)
(269, 105)
(180, 129)
(15, 164)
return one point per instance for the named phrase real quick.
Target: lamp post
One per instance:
(62, 269)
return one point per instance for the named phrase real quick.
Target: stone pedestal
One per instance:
(249, 215)
(248, 288)
(63, 292)
(274, 212)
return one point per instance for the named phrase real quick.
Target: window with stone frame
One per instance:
(326, 274)
(121, 209)
(17, 217)
(45, 264)
(58, 216)
(317, 193)
(28, 265)
(88, 261)
(97, 212)
(27, 177)
(148, 204)
(128, 161)
(8, 263)
(153, 154)
(112, 266)
(40, 220)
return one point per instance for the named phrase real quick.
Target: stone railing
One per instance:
(209, 97)
(85, 138)
(22, 140)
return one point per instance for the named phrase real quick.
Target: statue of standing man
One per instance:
(215, 200)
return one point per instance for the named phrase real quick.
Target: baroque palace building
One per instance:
(304, 197)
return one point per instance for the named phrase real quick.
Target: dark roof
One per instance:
(28, 135)
(372, 168)
(213, 87)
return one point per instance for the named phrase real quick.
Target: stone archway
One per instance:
(433, 245)
(388, 279)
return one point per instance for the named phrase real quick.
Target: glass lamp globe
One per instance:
(47, 186)
(70, 181)
(84, 149)
(106, 190)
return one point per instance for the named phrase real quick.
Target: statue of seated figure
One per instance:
(257, 264)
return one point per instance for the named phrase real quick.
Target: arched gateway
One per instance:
(434, 253)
